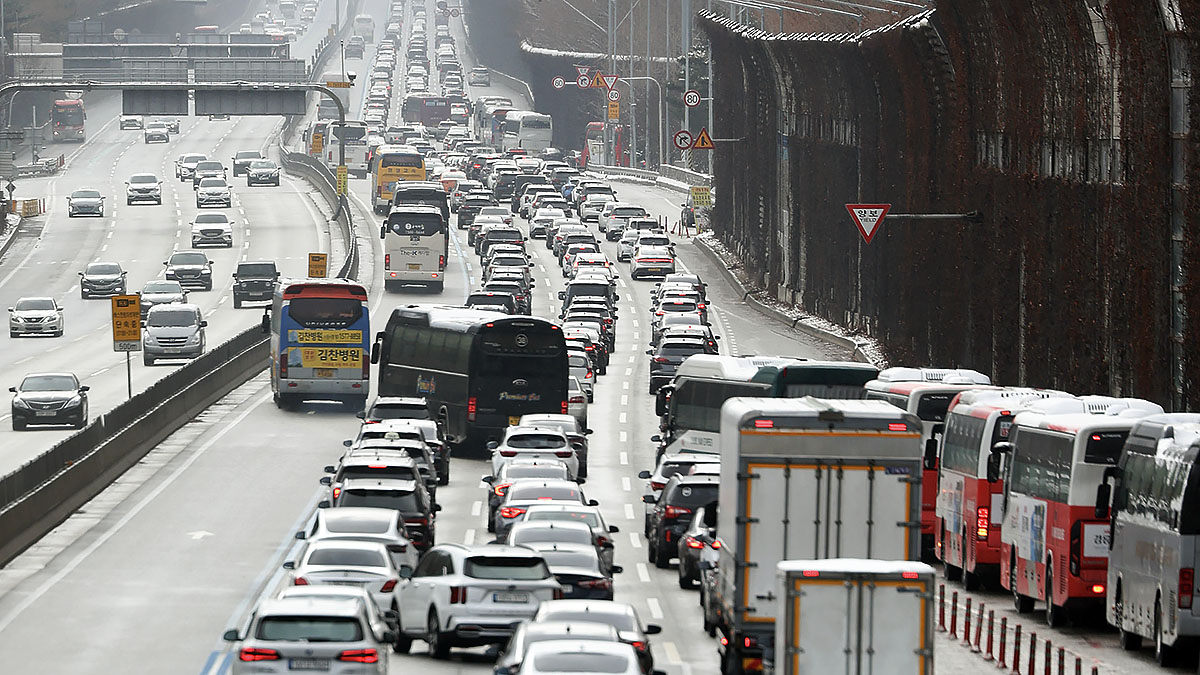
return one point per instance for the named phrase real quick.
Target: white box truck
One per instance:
(807, 478)
(854, 617)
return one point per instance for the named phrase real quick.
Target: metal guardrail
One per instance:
(686, 176)
(45, 491)
(623, 171)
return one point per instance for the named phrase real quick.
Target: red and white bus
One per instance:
(968, 513)
(66, 120)
(926, 393)
(594, 150)
(1052, 546)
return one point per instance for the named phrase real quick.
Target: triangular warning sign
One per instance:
(597, 81)
(610, 81)
(868, 218)
(703, 140)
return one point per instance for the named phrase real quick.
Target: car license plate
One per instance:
(510, 597)
(568, 588)
(655, 269)
(45, 413)
(414, 266)
(514, 420)
(325, 372)
(308, 664)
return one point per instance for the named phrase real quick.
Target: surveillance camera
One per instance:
(351, 77)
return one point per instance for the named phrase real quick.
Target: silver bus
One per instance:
(1154, 493)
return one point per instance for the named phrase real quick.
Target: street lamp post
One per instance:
(661, 109)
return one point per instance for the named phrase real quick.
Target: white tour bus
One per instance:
(528, 130)
(354, 136)
(1155, 496)
(364, 25)
(415, 239)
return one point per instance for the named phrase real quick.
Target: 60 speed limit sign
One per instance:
(614, 95)
(691, 98)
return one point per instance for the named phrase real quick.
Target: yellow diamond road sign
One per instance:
(127, 323)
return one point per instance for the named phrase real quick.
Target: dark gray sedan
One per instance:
(49, 398)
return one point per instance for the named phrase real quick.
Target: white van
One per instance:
(364, 25)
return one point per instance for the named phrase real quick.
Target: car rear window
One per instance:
(681, 350)
(346, 556)
(536, 441)
(405, 411)
(309, 629)
(686, 494)
(400, 500)
(379, 471)
(564, 515)
(536, 471)
(548, 534)
(581, 662)
(514, 569)
(362, 525)
(619, 620)
(538, 490)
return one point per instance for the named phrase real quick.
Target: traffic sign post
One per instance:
(558, 82)
(614, 110)
(682, 139)
(318, 265)
(868, 218)
(691, 98)
(127, 331)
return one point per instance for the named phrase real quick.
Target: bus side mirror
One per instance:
(931, 458)
(660, 400)
(993, 465)
(383, 231)
(266, 323)
(375, 352)
(1103, 496)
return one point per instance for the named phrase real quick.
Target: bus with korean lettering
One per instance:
(320, 342)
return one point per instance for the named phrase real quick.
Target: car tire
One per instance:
(128, 202)
(58, 333)
(208, 286)
(81, 423)
(651, 549)
(237, 302)
(13, 334)
(18, 426)
(147, 360)
(439, 642)
(662, 559)
(198, 204)
(684, 582)
(83, 294)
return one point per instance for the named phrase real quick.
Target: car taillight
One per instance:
(387, 261)
(578, 399)
(661, 359)
(422, 521)
(715, 545)
(558, 594)
(981, 522)
(563, 408)
(604, 584)
(258, 654)
(564, 453)
(378, 190)
(639, 645)
(337, 491)
(441, 262)
(511, 511)
(501, 489)
(589, 375)
(388, 586)
(359, 656)
(1186, 587)
(656, 486)
(299, 581)
(676, 511)
(471, 409)
(283, 365)
(692, 542)
(508, 453)
(602, 540)
(458, 595)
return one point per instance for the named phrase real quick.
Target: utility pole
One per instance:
(632, 104)
(686, 35)
(711, 106)
(647, 96)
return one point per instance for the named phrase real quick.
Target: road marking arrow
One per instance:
(199, 534)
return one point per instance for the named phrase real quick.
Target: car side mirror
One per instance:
(301, 535)
(488, 479)
(326, 480)
(85, 388)
(993, 462)
(649, 499)
(656, 438)
(13, 389)
(562, 295)
(613, 529)
(406, 572)
(323, 504)
(644, 475)
(390, 615)
(593, 502)
(650, 352)
(617, 569)
(653, 629)
(289, 565)
(492, 445)
(361, 414)
(203, 324)
(1103, 497)
(706, 565)
(931, 454)
(234, 275)
(266, 323)
(437, 507)
(231, 635)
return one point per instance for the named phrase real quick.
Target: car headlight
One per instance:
(75, 402)
(20, 403)
(194, 338)
(149, 339)
(205, 272)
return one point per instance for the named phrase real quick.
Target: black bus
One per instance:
(479, 370)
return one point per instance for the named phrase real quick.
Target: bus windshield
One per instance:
(68, 115)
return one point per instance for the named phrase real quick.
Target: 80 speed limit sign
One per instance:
(691, 98)
(558, 82)
(614, 95)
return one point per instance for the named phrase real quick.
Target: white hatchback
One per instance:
(533, 443)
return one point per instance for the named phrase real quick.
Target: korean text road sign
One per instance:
(701, 197)
(337, 85)
(318, 265)
(318, 144)
(343, 179)
(703, 140)
(868, 218)
(691, 98)
(614, 110)
(682, 139)
(127, 323)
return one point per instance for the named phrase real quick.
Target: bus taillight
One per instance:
(283, 365)
(981, 523)
(441, 262)
(472, 408)
(1186, 587)
(387, 261)
(564, 407)
(366, 372)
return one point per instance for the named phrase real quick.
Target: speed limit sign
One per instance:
(454, 12)
(691, 98)
(558, 82)
(614, 95)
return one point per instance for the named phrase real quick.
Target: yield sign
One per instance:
(610, 81)
(868, 218)
(581, 70)
(597, 81)
(703, 140)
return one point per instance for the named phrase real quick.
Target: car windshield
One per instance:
(49, 383)
(162, 287)
(34, 304)
(189, 259)
(212, 182)
(568, 515)
(104, 268)
(514, 569)
(85, 194)
(171, 317)
(400, 500)
(143, 178)
(208, 218)
(264, 270)
(262, 164)
(309, 629)
(536, 441)
(346, 556)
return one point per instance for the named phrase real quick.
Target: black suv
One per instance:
(665, 359)
(242, 160)
(102, 278)
(409, 497)
(672, 513)
(254, 282)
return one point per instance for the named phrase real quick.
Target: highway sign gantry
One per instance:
(868, 218)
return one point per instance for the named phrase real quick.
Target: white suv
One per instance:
(463, 596)
(533, 443)
(336, 636)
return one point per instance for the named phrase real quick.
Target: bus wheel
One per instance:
(1164, 654)
(951, 572)
(1055, 615)
(1129, 641)
(355, 403)
(1022, 603)
(438, 286)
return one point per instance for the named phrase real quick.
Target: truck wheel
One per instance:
(1164, 654)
